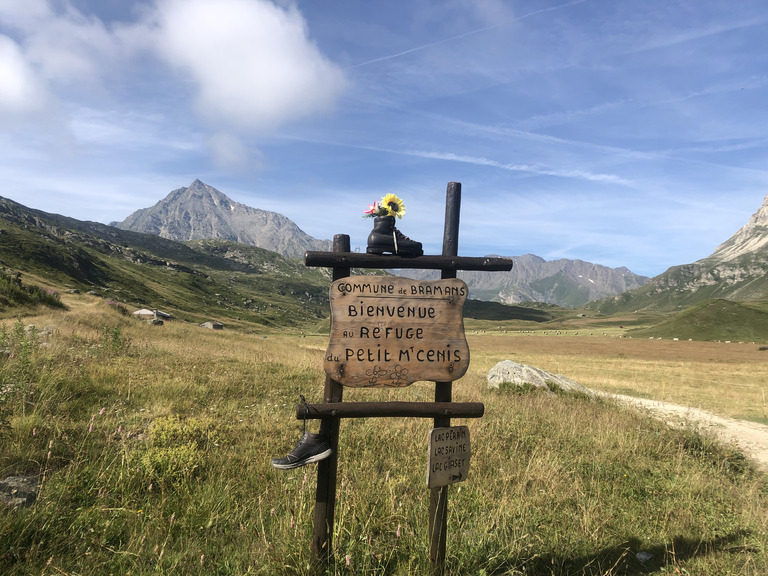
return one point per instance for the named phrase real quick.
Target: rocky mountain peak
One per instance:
(200, 211)
(750, 238)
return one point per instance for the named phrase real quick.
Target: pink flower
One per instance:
(372, 208)
(101, 412)
(349, 560)
(397, 532)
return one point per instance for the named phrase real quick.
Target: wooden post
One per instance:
(438, 498)
(325, 495)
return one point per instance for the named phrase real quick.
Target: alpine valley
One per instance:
(202, 212)
(201, 256)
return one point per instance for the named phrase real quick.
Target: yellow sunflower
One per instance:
(393, 205)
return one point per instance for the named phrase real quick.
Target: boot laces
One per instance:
(397, 234)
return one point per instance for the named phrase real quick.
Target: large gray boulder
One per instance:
(516, 374)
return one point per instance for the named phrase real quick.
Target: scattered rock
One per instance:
(644, 556)
(19, 490)
(511, 372)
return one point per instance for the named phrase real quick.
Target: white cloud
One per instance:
(21, 92)
(252, 64)
(230, 152)
(64, 46)
(248, 66)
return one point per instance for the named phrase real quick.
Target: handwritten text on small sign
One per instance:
(449, 454)
(392, 332)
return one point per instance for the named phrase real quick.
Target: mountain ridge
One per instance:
(566, 283)
(737, 270)
(201, 212)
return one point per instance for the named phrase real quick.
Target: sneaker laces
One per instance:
(306, 412)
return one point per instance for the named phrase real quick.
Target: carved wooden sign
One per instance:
(392, 332)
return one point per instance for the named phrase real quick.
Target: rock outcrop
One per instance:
(509, 372)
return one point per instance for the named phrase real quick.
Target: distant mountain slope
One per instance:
(737, 270)
(201, 212)
(714, 319)
(210, 279)
(567, 283)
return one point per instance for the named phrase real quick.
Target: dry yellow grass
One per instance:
(558, 485)
(727, 379)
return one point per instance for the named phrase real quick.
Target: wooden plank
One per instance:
(360, 260)
(390, 410)
(321, 548)
(388, 331)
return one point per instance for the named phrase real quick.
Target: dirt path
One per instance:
(750, 437)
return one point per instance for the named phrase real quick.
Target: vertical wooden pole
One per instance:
(438, 498)
(325, 496)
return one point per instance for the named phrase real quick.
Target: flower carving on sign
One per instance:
(375, 373)
(399, 374)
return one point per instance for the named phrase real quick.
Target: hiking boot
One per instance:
(311, 448)
(386, 238)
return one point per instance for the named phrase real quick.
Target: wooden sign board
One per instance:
(449, 454)
(392, 332)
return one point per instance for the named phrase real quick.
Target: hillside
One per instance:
(716, 319)
(203, 280)
(735, 271)
(196, 281)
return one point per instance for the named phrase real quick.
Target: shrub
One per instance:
(175, 451)
(14, 293)
(113, 341)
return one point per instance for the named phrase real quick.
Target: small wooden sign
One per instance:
(392, 332)
(449, 454)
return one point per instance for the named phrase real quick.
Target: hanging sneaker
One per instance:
(311, 448)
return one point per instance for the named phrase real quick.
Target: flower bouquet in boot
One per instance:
(385, 237)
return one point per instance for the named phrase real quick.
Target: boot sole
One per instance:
(382, 251)
(299, 463)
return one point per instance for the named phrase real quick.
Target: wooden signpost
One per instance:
(391, 332)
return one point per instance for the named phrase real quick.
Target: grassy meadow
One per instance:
(152, 446)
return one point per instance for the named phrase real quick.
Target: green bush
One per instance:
(175, 450)
(14, 293)
(113, 341)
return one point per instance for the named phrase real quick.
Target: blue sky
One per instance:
(618, 132)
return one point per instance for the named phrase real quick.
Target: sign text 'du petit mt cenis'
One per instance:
(391, 332)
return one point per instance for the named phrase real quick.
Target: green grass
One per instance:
(14, 293)
(152, 445)
(201, 281)
(713, 320)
